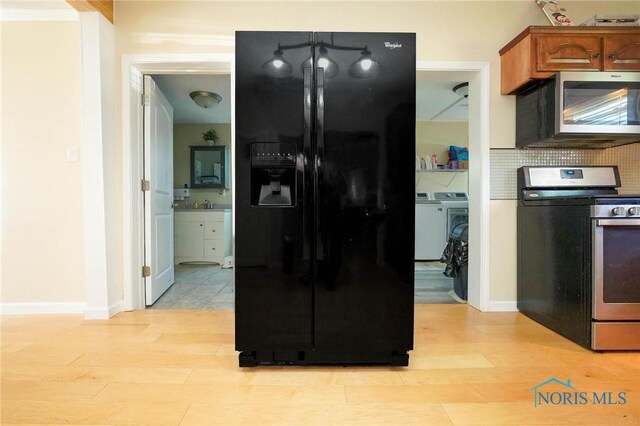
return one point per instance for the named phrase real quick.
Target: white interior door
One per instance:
(158, 201)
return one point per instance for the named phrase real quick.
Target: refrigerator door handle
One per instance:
(306, 157)
(319, 163)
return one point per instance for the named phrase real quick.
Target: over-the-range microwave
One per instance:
(580, 110)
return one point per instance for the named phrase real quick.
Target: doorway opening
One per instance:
(198, 165)
(442, 187)
(135, 248)
(462, 193)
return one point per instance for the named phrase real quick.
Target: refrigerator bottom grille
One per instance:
(256, 358)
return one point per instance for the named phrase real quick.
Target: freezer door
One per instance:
(273, 191)
(365, 158)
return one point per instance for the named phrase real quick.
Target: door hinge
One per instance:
(144, 100)
(146, 271)
(146, 185)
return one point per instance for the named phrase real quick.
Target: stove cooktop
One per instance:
(571, 197)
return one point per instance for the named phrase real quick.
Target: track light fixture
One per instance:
(365, 67)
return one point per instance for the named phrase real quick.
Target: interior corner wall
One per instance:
(103, 221)
(42, 216)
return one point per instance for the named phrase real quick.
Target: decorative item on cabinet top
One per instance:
(539, 52)
(556, 14)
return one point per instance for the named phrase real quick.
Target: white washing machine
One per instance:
(437, 213)
(456, 216)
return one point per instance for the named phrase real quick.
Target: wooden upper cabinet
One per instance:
(540, 52)
(622, 53)
(560, 52)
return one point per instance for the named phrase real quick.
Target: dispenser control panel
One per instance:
(273, 154)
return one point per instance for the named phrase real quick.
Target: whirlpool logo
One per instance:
(556, 392)
(392, 46)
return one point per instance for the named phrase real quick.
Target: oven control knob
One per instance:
(634, 211)
(617, 211)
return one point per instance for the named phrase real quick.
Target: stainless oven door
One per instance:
(616, 269)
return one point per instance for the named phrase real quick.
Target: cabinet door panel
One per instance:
(622, 53)
(214, 250)
(189, 239)
(213, 230)
(560, 53)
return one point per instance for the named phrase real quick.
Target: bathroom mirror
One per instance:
(209, 166)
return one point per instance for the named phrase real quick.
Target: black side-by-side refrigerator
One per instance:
(324, 197)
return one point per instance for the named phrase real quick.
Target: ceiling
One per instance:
(176, 88)
(36, 5)
(436, 100)
(51, 10)
(434, 94)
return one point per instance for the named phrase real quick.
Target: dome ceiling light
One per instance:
(205, 99)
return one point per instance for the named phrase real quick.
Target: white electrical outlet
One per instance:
(72, 153)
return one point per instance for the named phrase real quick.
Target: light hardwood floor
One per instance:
(179, 367)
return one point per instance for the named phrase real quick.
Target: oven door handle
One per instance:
(618, 222)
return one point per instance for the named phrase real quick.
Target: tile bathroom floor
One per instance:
(198, 287)
(430, 285)
(209, 287)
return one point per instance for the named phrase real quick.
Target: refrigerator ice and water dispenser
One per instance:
(273, 174)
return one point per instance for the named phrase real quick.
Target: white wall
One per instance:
(435, 137)
(42, 222)
(502, 261)
(185, 135)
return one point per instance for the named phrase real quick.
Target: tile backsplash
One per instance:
(505, 162)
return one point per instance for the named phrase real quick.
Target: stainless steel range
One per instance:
(579, 255)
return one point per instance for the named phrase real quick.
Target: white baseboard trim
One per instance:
(503, 306)
(104, 313)
(116, 308)
(38, 308)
